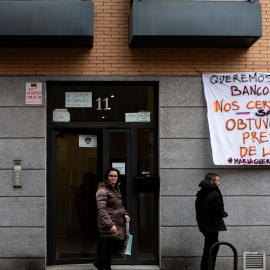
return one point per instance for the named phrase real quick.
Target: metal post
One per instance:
(235, 257)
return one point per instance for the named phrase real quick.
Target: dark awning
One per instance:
(46, 23)
(195, 24)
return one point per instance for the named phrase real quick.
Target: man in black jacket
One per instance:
(209, 215)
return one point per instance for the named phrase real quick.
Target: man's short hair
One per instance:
(211, 176)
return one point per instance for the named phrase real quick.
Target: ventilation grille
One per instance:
(254, 260)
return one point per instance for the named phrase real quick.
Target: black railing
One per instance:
(235, 257)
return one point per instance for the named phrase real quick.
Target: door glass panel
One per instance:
(101, 103)
(118, 160)
(146, 195)
(76, 182)
(145, 148)
(146, 229)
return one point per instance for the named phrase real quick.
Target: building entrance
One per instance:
(79, 152)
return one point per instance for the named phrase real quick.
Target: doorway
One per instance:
(78, 155)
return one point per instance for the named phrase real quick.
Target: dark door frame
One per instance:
(53, 128)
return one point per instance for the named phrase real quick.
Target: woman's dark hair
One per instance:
(110, 170)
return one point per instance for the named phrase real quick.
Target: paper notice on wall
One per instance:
(143, 116)
(87, 141)
(131, 117)
(33, 93)
(78, 100)
(120, 166)
(61, 115)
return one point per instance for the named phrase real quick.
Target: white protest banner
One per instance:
(238, 109)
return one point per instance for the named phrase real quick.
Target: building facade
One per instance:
(120, 84)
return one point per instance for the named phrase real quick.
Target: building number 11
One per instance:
(106, 104)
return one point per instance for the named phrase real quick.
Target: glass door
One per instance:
(76, 175)
(79, 159)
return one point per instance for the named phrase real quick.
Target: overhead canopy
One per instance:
(46, 23)
(194, 24)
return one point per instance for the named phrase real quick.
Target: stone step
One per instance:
(91, 267)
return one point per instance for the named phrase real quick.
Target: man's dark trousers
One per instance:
(209, 240)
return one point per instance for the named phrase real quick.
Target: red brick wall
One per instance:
(111, 55)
